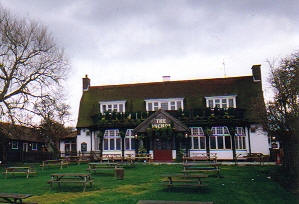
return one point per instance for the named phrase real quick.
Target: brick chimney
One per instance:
(86, 83)
(256, 73)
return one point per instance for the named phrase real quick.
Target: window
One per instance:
(231, 103)
(179, 105)
(83, 147)
(196, 131)
(210, 103)
(129, 140)
(121, 108)
(198, 140)
(220, 138)
(34, 146)
(172, 105)
(164, 104)
(217, 103)
(112, 140)
(149, 106)
(112, 106)
(224, 103)
(221, 101)
(240, 138)
(14, 144)
(156, 106)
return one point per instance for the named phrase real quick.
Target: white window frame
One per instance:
(112, 135)
(115, 105)
(158, 101)
(216, 134)
(16, 143)
(196, 134)
(130, 136)
(240, 139)
(34, 146)
(220, 98)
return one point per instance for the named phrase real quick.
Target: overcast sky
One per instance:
(118, 41)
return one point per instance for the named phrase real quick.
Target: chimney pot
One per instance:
(166, 78)
(86, 83)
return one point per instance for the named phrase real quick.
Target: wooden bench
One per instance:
(171, 202)
(201, 167)
(143, 157)
(14, 198)
(19, 170)
(181, 180)
(259, 157)
(59, 163)
(80, 178)
(111, 157)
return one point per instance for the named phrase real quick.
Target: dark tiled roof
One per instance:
(70, 136)
(17, 132)
(193, 92)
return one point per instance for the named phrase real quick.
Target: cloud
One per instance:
(125, 41)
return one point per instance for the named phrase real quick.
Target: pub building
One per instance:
(170, 119)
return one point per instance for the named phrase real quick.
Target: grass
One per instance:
(246, 184)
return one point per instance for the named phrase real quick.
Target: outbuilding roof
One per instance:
(18, 132)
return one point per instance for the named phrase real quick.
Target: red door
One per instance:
(164, 155)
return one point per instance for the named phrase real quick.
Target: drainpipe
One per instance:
(249, 143)
(90, 141)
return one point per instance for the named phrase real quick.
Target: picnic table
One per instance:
(19, 170)
(250, 157)
(94, 166)
(81, 178)
(171, 202)
(13, 197)
(111, 158)
(58, 162)
(75, 159)
(182, 180)
(202, 167)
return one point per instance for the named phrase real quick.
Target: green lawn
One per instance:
(248, 184)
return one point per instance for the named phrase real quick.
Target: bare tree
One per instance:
(31, 67)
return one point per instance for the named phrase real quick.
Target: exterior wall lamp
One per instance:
(186, 135)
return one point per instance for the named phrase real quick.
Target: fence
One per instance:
(14, 156)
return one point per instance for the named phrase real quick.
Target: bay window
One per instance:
(198, 140)
(129, 140)
(220, 138)
(240, 138)
(112, 140)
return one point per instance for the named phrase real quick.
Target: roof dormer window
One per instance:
(112, 106)
(221, 101)
(164, 104)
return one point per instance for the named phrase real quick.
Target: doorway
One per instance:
(162, 149)
(25, 147)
